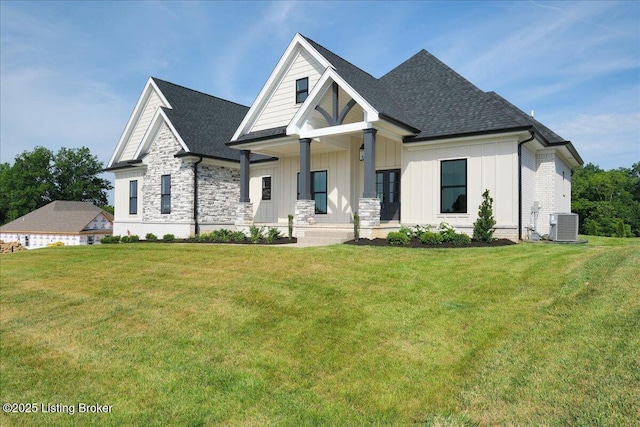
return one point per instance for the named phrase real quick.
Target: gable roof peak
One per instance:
(166, 83)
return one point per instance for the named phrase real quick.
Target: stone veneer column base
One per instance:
(244, 214)
(305, 211)
(369, 211)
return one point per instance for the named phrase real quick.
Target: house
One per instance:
(70, 223)
(325, 140)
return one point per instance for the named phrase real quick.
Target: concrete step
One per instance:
(324, 237)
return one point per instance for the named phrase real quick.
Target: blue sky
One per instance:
(71, 72)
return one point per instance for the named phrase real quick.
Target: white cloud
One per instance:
(609, 140)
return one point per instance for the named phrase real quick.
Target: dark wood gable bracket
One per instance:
(336, 119)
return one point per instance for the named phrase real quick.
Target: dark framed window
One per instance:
(453, 186)
(165, 194)
(318, 190)
(266, 188)
(302, 90)
(133, 197)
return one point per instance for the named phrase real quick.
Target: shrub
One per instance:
(134, 238)
(397, 238)
(483, 227)
(273, 234)
(256, 234)
(430, 238)
(407, 231)
(238, 236)
(221, 236)
(460, 239)
(110, 240)
(151, 237)
(205, 237)
(621, 229)
(447, 232)
(124, 239)
(420, 230)
(168, 237)
(356, 227)
(591, 227)
(290, 217)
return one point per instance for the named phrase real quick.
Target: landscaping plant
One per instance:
(290, 228)
(483, 227)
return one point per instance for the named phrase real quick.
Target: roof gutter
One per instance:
(520, 144)
(195, 196)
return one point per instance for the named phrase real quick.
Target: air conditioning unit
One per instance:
(563, 227)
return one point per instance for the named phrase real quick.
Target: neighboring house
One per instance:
(418, 145)
(71, 223)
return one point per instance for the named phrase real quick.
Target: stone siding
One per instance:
(161, 160)
(305, 212)
(218, 194)
(369, 211)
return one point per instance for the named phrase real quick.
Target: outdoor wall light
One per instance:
(362, 152)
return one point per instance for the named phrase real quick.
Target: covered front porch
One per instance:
(323, 182)
(337, 157)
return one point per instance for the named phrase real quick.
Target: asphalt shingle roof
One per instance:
(59, 216)
(366, 85)
(442, 102)
(204, 122)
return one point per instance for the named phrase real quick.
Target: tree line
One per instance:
(607, 202)
(41, 176)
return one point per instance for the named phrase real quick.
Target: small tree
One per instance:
(290, 217)
(356, 227)
(483, 227)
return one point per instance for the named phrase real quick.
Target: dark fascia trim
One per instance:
(568, 144)
(411, 139)
(399, 123)
(206, 156)
(130, 164)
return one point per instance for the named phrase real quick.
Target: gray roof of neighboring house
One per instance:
(204, 122)
(59, 216)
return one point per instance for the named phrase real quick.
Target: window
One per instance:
(453, 186)
(266, 188)
(133, 198)
(165, 197)
(318, 190)
(302, 90)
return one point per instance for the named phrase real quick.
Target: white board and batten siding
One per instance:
(281, 106)
(338, 167)
(264, 211)
(121, 201)
(491, 165)
(141, 126)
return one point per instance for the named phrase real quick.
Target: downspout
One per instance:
(520, 144)
(195, 196)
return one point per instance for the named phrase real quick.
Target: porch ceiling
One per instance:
(291, 147)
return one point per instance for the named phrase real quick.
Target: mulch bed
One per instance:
(280, 241)
(415, 243)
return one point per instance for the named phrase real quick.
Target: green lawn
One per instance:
(532, 334)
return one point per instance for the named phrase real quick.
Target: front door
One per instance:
(388, 191)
